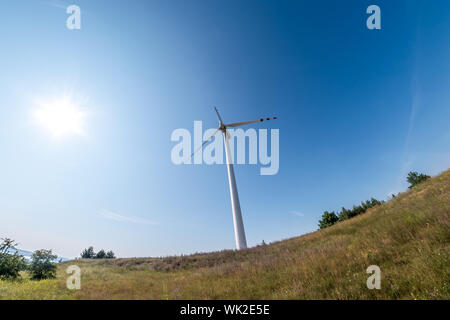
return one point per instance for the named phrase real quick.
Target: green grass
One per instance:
(407, 237)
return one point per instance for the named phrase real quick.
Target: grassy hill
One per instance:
(407, 237)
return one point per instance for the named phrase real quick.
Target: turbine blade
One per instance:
(238, 124)
(218, 116)
(215, 132)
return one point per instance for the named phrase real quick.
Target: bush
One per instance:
(10, 263)
(345, 214)
(42, 265)
(100, 255)
(88, 253)
(415, 178)
(328, 219)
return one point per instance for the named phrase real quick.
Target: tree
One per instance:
(110, 255)
(328, 219)
(415, 178)
(374, 202)
(42, 265)
(344, 214)
(100, 255)
(357, 210)
(88, 253)
(11, 262)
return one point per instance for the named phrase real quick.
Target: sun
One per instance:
(61, 116)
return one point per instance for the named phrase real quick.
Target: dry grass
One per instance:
(407, 237)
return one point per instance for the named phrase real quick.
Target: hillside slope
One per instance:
(407, 237)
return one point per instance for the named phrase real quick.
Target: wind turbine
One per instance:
(239, 232)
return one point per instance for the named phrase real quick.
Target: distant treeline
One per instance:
(330, 218)
(89, 253)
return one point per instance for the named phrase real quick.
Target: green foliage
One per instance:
(415, 178)
(345, 214)
(100, 255)
(88, 253)
(328, 219)
(42, 265)
(10, 263)
(110, 255)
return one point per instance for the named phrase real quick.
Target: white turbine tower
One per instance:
(239, 232)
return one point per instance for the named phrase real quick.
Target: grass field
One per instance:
(407, 237)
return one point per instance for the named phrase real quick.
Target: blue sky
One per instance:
(357, 110)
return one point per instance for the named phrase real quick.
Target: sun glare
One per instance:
(62, 117)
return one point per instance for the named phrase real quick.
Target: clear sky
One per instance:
(357, 110)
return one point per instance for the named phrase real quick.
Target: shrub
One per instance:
(415, 178)
(110, 255)
(344, 214)
(42, 265)
(10, 263)
(328, 219)
(88, 253)
(100, 255)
